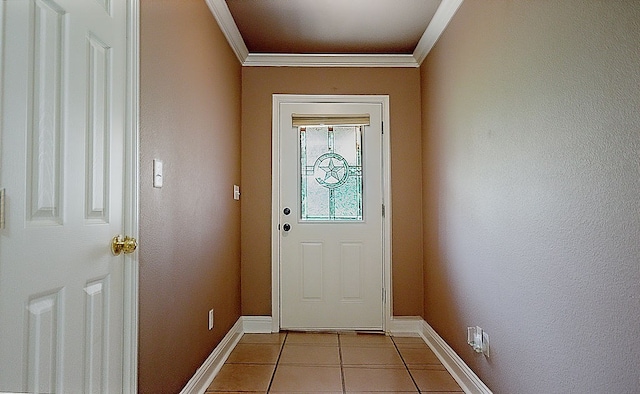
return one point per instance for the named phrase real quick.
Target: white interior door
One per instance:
(331, 222)
(63, 125)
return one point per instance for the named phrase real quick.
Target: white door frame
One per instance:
(130, 207)
(275, 194)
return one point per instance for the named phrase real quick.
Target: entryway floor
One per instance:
(297, 362)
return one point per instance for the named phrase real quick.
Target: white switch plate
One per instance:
(211, 319)
(236, 192)
(157, 173)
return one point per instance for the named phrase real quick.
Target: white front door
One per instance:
(330, 216)
(61, 169)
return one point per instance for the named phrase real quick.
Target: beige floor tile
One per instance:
(371, 356)
(304, 379)
(365, 379)
(409, 342)
(412, 346)
(312, 338)
(242, 377)
(431, 367)
(310, 355)
(433, 380)
(252, 353)
(418, 356)
(263, 338)
(365, 340)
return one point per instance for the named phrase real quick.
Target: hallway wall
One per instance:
(190, 228)
(403, 88)
(531, 140)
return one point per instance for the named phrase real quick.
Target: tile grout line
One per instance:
(273, 375)
(344, 388)
(395, 345)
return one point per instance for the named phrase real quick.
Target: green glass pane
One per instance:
(331, 173)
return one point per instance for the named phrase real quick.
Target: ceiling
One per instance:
(339, 33)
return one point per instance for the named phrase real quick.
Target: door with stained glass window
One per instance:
(330, 216)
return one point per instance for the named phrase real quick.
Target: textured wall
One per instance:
(531, 139)
(403, 88)
(189, 229)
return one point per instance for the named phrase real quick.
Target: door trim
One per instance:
(275, 195)
(131, 207)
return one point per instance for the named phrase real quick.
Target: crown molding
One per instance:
(328, 60)
(446, 10)
(221, 12)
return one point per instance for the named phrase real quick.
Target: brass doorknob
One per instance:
(126, 245)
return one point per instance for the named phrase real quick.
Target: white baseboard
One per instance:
(212, 365)
(398, 326)
(407, 326)
(256, 324)
(466, 378)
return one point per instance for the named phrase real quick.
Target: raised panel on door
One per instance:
(45, 144)
(44, 342)
(351, 271)
(98, 129)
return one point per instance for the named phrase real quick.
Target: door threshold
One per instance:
(334, 331)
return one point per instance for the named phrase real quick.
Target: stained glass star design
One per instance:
(332, 171)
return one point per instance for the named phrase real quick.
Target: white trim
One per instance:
(275, 214)
(212, 365)
(278, 99)
(328, 60)
(256, 324)
(406, 326)
(445, 12)
(466, 378)
(131, 193)
(221, 12)
(388, 214)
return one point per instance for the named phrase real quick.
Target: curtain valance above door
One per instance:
(330, 120)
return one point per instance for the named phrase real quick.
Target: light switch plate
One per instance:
(157, 174)
(236, 192)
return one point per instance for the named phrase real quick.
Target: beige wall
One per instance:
(403, 87)
(189, 229)
(531, 139)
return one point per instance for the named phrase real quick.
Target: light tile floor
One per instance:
(332, 363)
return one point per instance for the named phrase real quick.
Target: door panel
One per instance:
(61, 165)
(331, 261)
